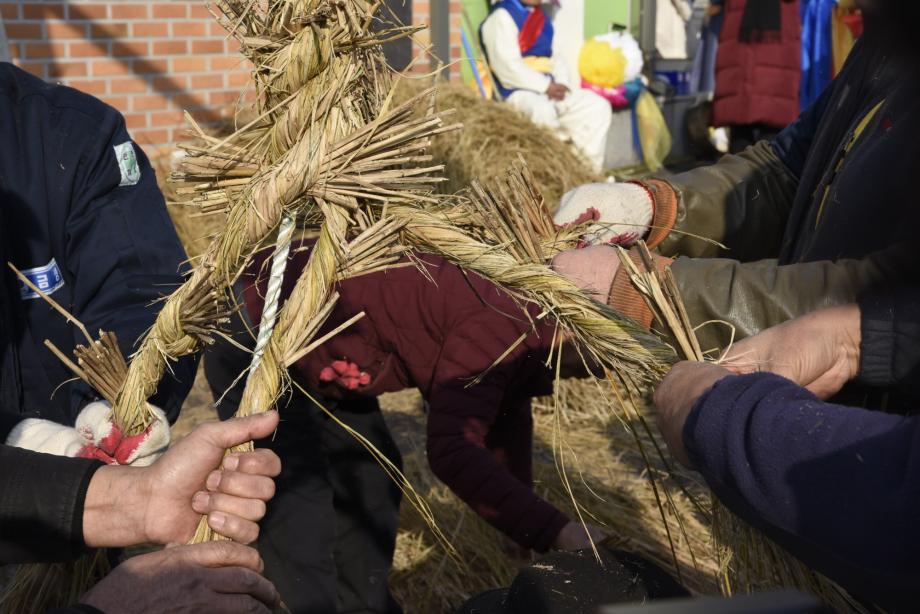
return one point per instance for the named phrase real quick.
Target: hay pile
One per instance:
(493, 136)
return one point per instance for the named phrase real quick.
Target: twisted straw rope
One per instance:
(616, 342)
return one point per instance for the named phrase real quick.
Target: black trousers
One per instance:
(330, 531)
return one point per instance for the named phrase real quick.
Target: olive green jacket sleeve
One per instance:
(745, 298)
(743, 202)
(740, 204)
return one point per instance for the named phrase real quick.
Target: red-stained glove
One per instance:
(615, 213)
(94, 436)
(345, 374)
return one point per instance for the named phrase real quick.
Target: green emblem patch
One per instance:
(127, 163)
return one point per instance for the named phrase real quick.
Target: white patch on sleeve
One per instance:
(127, 163)
(46, 278)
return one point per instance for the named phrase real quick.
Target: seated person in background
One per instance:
(518, 40)
(838, 486)
(54, 507)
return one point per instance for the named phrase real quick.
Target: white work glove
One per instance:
(621, 212)
(94, 436)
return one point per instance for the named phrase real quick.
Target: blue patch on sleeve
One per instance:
(46, 278)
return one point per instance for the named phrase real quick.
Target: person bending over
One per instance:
(438, 336)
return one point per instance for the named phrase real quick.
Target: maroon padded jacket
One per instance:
(758, 82)
(439, 334)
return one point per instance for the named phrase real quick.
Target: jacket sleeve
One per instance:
(499, 37)
(741, 203)
(41, 507)
(122, 250)
(460, 436)
(838, 486)
(890, 345)
(750, 297)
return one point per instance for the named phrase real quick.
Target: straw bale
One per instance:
(493, 136)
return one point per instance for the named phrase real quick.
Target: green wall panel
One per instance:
(599, 14)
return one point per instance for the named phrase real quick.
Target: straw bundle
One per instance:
(505, 233)
(493, 136)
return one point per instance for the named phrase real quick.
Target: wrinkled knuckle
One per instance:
(224, 551)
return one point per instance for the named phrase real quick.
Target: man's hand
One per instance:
(592, 269)
(556, 91)
(163, 503)
(574, 537)
(819, 351)
(676, 396)
(211, 577)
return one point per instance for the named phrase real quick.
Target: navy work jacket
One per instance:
(82, 216)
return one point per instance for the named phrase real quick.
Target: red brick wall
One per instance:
(150, 60)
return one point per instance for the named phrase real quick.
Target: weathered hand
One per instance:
(163, 503)
(211, 577)
(186, 482)
(573, 536)
(592, 269)
(676, 396)
(819, 351)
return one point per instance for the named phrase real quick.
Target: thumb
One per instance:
(239, 430)
(219, 554)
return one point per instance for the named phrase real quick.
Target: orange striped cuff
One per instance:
(625, 299)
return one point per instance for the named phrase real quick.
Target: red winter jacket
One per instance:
(438, 337)
(758, 83)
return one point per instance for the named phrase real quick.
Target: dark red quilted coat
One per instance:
(758, 83)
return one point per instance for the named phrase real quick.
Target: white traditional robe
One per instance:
(582, 117)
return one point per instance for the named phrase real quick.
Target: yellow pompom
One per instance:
(602, 65)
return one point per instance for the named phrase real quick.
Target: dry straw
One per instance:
(609, 479)
(329, 145)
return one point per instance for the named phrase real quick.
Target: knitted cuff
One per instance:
(625, 299)
(665, 199)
